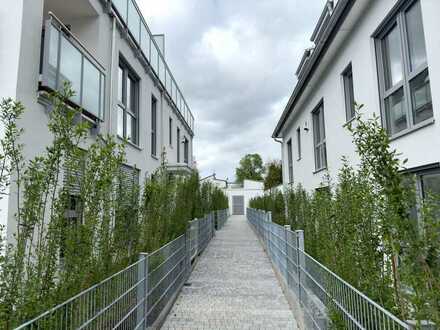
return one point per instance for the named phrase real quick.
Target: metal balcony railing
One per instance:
(65, 59)
(131, 17)
(139, 296)
(314, 285)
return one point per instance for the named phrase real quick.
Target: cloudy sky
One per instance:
(235, 62)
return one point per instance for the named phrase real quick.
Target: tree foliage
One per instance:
(250, 168)
(77, 227)
(274, 175)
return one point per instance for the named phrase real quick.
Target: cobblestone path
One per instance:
(233, 286)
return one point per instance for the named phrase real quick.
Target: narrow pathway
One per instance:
(233, 286)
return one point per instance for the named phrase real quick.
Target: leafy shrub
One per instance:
(80, 217)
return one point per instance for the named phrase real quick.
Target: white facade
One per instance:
(348, 37)
(104, 38)
(248, 190)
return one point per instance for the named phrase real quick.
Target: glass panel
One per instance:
(349, 95)
(162, 71)
(102, 104)
(120, 122)
(70, 68)
(321, 124)
(128, 127)
(154, 58)
(316, 133)
(121, 7)
(416, 36)
(91, 88)
(121, 85)
(51, 73)
(431, 184)
(145, 41)
(392, 58)
(134, 20)
(396, 112)
(129, 100)
(131, 128)
(421, 97)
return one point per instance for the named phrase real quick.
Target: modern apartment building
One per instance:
(117, 68)
(384, 54)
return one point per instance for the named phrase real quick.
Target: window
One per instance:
(290, 160)
(298, 141)
(178, 145)
(319, 138)
(430, 183)
(404, 76)
(128, 103)
(350, 109)
(153, 126)
(170, 130)
(186, 151)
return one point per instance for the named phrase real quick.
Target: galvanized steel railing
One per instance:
(138, 296)
(221, 218)
(316, 287)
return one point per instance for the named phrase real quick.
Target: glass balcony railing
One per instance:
(64, 59)
(131, 17)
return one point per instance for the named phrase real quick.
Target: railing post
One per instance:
(142, 290)
(300, 258)
(287, 228)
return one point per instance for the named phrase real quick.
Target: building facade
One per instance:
(384, 54)
(115, 65)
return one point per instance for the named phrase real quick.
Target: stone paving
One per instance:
(233, 286)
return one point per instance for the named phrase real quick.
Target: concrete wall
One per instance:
(354, 45)
(21, 25)
(249, 190)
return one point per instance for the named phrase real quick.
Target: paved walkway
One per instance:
(233, 286)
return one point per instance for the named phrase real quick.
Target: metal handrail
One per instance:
(355, 314)
(67, 31)
(125, 296)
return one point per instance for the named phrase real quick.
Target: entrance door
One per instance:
(238, 205)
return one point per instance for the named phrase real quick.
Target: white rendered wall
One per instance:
(354, 45)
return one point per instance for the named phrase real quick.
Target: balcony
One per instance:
(65, 59)
(131, 18)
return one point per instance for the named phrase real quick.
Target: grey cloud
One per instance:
(235, 63)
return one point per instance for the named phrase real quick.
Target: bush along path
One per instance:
(370, 228)
(111, 218)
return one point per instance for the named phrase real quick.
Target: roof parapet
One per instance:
(307, 53)
(323, 21)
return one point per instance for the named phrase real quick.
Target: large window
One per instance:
(153, 126)
(128, 103)
(290, 160)
(319, 138)
(350, 109)
(403, 67)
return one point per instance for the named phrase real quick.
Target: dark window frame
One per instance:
(170, 128)
(397, 19)
(153, 126)
(178, 145)
(290, 160)
(128, 73)
(348, 84)
(186, 150)
(319, 144)
(298, 141)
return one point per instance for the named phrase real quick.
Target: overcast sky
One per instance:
(235, 62)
